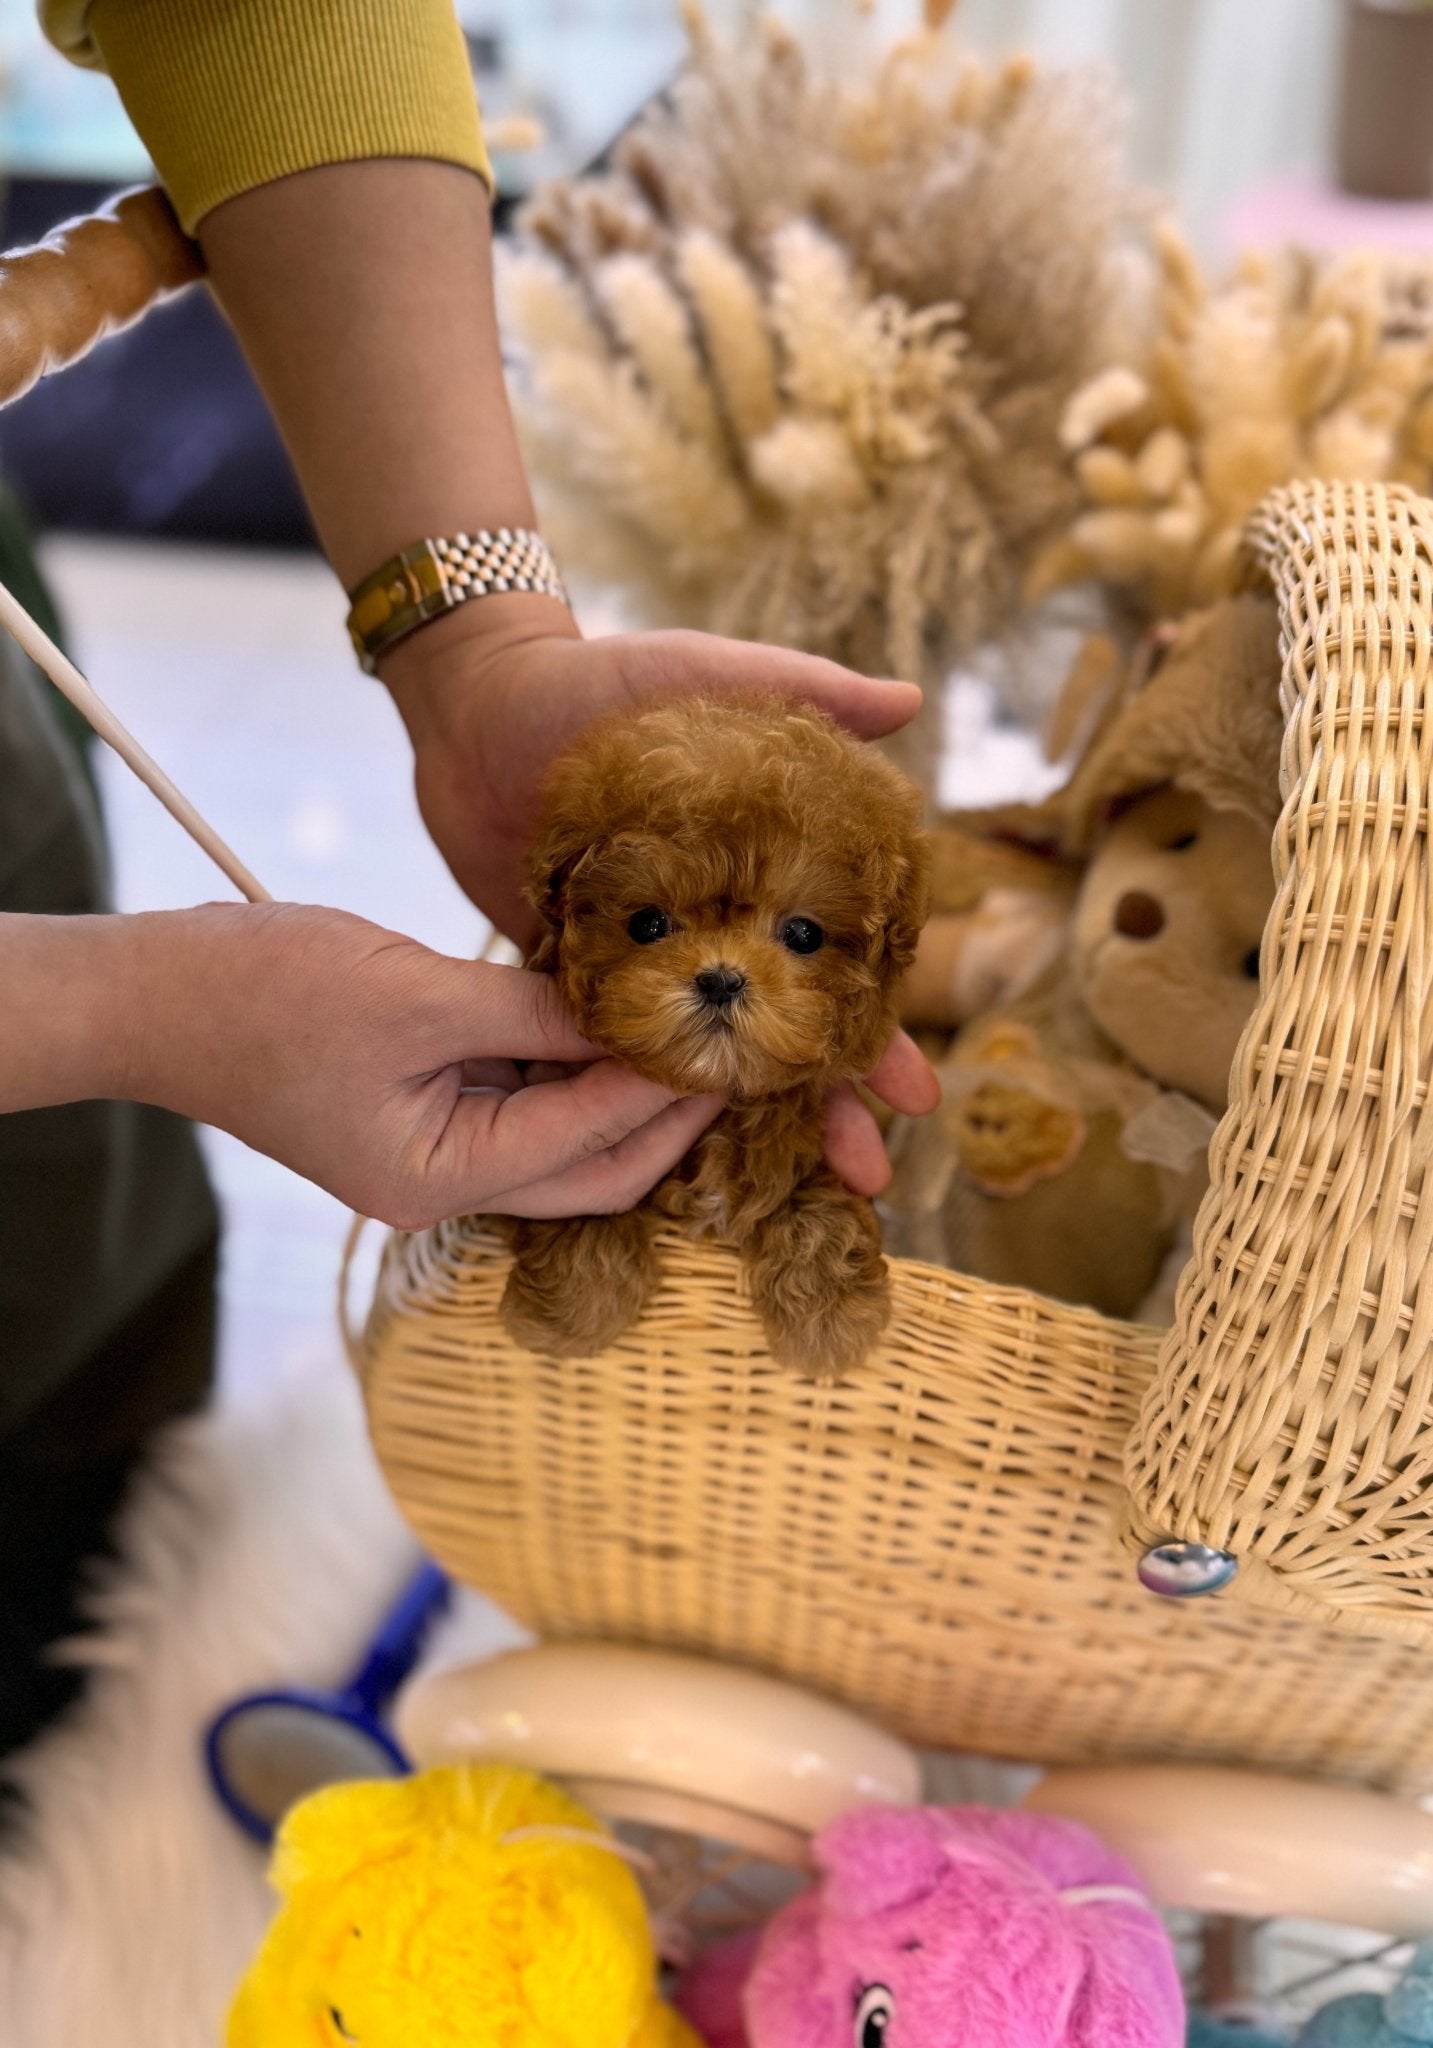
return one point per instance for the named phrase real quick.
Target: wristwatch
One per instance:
(435, 576)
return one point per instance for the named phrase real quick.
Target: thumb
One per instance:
(479, 1010)
(866, 705)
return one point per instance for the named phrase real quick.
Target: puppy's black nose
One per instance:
(721, 985)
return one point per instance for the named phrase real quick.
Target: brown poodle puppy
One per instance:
(731, 891)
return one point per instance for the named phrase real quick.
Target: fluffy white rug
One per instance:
(259, 1548)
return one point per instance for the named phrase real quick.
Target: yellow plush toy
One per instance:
(471, 1907)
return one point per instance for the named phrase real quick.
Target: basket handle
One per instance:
(87, 279)
(350, 1331)
(1291, 1420)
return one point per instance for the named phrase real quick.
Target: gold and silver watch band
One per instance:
(435, 576)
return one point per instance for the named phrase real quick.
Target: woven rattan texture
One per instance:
(934, 1541)
(1291, 1422)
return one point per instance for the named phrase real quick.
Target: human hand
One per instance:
(492, 693)
(385, 1072)
(903, 1080)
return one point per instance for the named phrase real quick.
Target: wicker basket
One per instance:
(939, 1539)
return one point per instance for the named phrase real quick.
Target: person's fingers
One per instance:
(619, 1177)
(866, 705)
(502, 1074)
(852, 1144)
(536, 1072)
(904, 1078)
(497, 1143)
(476, 1010)
(512, 1074)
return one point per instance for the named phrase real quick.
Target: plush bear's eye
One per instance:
(649, 925)
(801, 935)
(1251, 963)
(875, 2009)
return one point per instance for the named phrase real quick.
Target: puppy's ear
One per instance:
(908, 903)
(566, 845)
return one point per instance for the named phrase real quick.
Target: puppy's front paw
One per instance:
(837, 1337)
(576, 1286)
(820, 1283)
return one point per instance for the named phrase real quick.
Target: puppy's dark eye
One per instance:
(1183, 843)
(801, 935)
(649, 925)
(1251, 963)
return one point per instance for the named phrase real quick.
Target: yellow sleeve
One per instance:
(229, 94)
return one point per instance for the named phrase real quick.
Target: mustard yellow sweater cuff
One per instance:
(230, 94)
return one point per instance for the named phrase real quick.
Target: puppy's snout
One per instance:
(1139, 916)
(720, 985)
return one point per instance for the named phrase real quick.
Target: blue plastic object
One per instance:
(1205, 2032)
(268, 1750)
(1403, 2019)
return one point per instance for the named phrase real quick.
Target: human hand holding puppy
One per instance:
(381, 1070)
(493, 693)
(283, 1027)
(393, 407)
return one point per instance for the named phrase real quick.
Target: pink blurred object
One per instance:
(1314, 215)
(709, 1996)
(950, 1927)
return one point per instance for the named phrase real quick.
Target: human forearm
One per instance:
(116, 1006)
(65, 1003)
(363, 296)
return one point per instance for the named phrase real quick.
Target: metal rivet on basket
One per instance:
(1185, 1571)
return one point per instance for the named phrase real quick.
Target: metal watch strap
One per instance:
(434, 576)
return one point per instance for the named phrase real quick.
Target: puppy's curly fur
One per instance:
(730, 893)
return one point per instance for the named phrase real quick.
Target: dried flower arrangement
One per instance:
(1297, 366)
(794, 367)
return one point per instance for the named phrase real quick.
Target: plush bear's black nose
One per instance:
(1139, 916)
(721, 985)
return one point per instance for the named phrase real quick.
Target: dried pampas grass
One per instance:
(1297, 366)
(794, 367)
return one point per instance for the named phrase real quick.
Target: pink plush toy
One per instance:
(949, 1927)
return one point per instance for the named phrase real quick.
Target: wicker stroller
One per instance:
(947, 1541)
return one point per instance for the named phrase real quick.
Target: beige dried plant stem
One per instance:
(92, 707)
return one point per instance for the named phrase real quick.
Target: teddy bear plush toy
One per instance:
(1098, 958)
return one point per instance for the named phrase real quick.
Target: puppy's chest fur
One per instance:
(747, 1165)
